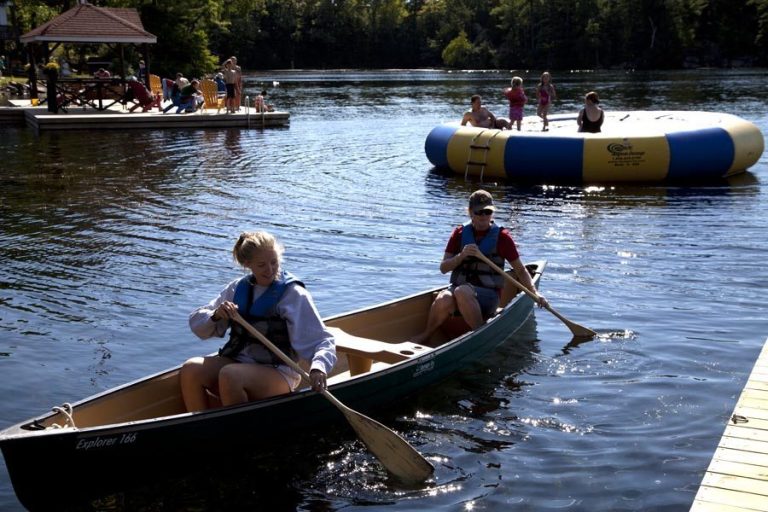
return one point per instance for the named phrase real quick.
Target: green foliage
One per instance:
(459, 52)
(195, 36)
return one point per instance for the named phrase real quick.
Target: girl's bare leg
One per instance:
(199, 375)
(240, 383)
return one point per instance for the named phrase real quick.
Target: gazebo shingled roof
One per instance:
(86, 23)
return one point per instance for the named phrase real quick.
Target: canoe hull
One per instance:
(647, 147)
(114, 456)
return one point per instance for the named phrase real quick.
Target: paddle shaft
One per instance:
(394, 452)
(287, 360)
(576, 329)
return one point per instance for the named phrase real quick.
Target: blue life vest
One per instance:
(475, 271)
(263, 316)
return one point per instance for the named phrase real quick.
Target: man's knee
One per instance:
(464, 293)
(444, 302)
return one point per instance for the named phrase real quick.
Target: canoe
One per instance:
(121, 434)
(643, 147)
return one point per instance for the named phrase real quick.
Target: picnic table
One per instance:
(97, 93)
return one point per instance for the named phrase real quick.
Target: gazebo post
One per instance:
(145, 54)
(32, 74)
(122, 61)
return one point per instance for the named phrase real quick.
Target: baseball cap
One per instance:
(481, 200)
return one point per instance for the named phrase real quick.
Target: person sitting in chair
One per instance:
(221, 85)
(140, 94)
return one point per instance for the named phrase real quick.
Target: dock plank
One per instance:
(737, 476)
(713, 498)
(745, 457)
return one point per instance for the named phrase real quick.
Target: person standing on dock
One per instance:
(475, 289)
(142, 74)
(238, 82)
(230, 80)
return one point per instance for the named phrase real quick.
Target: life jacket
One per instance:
(263, 316)
(475, 271)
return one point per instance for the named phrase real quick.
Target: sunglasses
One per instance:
(483, 212)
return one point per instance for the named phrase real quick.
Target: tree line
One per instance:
(195, 36)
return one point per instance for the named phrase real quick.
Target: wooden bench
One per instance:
(361, 352)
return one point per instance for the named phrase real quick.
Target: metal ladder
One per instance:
(481, 159)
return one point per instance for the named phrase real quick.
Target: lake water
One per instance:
(109, 239)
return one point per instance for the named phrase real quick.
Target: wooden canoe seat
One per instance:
(361, 352)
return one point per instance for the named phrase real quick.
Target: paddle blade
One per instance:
(580, 331)
(576, 329)
(394, 452)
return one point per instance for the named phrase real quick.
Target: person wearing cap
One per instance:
(590, 118)
(221, 85)
(475, 287)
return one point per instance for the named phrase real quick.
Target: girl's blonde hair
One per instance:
(516, 80)
(251, 242)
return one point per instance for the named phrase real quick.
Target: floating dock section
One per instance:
(115, 118)
(737, 477)
(634, 146)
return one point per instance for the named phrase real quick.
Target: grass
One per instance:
(5, 79)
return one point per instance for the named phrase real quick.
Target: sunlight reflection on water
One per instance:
(109, 240)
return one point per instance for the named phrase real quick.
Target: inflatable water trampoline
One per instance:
(647, 146)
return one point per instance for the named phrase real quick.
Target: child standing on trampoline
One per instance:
(545, 92)
(517, 100)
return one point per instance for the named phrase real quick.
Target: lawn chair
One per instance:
(141, 96)
(211, 96)
(156, 86)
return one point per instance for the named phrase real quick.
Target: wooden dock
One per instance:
(737, 477)
(116, 118)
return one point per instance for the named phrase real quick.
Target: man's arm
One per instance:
(492, 118)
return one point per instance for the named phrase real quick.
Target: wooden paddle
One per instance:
(576, 329)
(394, 452)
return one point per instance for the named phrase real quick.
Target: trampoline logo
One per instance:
(625, 154)
(618, 148)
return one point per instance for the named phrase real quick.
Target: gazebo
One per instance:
(86, 23)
